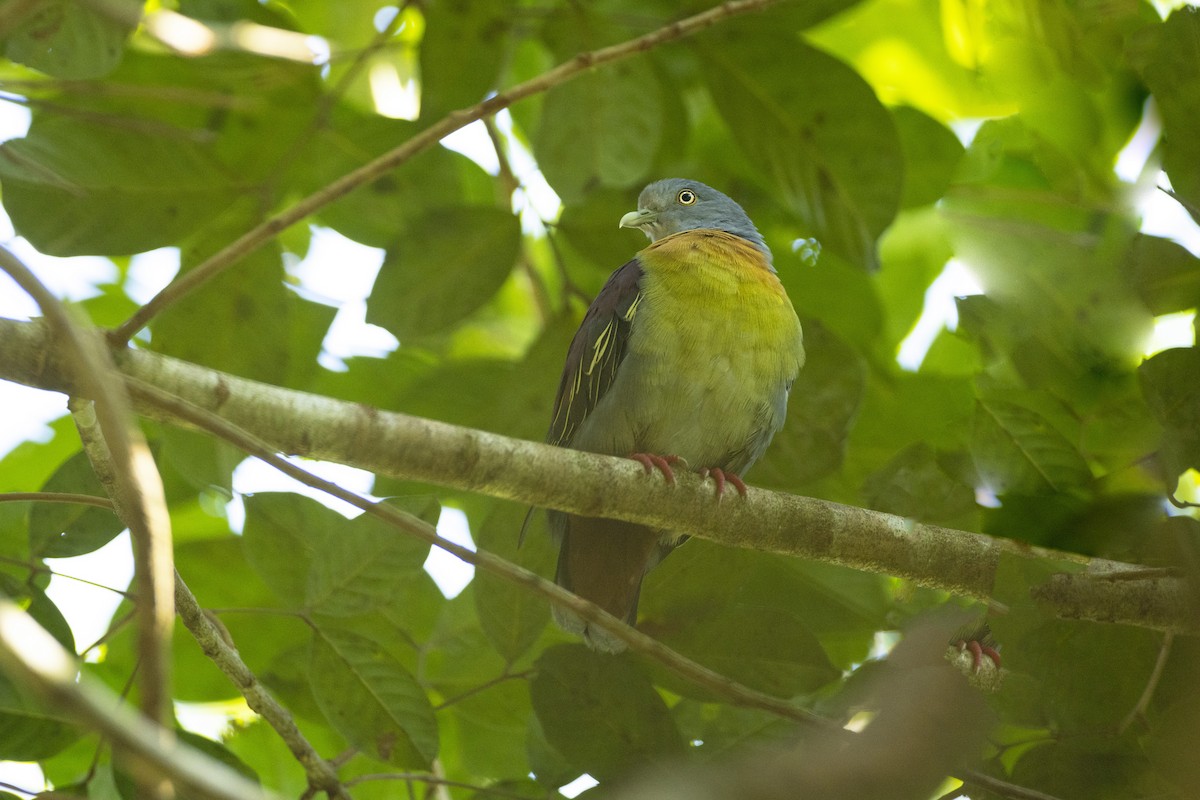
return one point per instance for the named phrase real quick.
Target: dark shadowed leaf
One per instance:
(600, 711)
(461, 53)
(931, 153)
(1165, 274)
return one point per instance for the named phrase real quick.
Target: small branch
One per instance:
(213, 641)
(126, 468)
(57, 497)
(33, 657)
(256, 237)
(1139, 710)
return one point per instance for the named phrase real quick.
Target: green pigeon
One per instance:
(686, 356)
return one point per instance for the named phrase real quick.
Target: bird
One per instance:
(686, 356)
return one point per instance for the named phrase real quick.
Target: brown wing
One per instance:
(596, 352)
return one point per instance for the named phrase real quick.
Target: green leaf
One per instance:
(601, 129)
(451, 262)
(357, 569)
(62, 530)
(813, 126)
(461, 53)
(1171, 385)
(46, 613)
(314, 558)
(72, 41)
(1017, 450)
(371, 699)
(600, 711)
(79, 188)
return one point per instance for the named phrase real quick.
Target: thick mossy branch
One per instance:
(413, 448)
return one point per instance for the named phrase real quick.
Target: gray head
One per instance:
(674, 205)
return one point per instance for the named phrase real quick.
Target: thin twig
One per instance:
(639, 642)
(137, 490)
(57, 497)
(1139, 709)
(259, 235)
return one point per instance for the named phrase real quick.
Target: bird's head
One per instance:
(674, 205)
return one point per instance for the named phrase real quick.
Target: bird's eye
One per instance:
(687, 197)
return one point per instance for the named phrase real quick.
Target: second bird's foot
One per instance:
(652, 461)
(721, 477)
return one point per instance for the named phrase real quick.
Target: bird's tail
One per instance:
(604, 561)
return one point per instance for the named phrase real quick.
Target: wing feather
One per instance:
(595, 353)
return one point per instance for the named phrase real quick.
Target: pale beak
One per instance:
(638, 219)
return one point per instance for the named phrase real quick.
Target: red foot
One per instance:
(720, 477)
(651, 461)
(978, 651)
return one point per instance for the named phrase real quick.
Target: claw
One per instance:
(978, 651)
(721, 477)
(651, 461)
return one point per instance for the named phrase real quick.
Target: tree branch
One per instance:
(33, 656)
(256, 237)
(116, 446)
(412, 448)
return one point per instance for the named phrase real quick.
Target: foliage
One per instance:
(828, 121)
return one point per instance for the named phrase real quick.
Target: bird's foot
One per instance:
(721, 477)
(652, 461)
(978, 648)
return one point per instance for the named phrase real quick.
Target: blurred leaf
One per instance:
(1168, 58)
(601, 129)
(600, 712)
(450, 263)
(461, 53)
(81, 188)
(29, 731)
(62, 530)
(913, 484)
(1170, 382)
(931, 154)
(1165, 275)
(1016, 450)
(71, 40)
(371, 699)
(814, 127)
